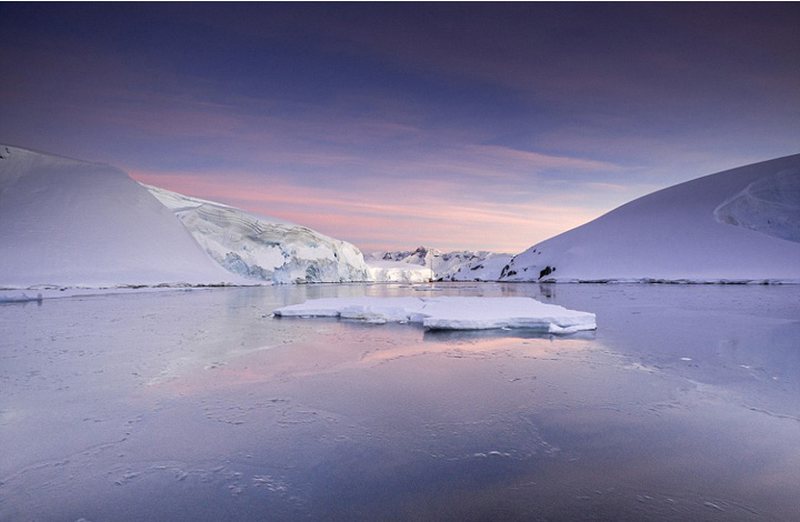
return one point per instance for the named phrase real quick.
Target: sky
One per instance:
(390, 125)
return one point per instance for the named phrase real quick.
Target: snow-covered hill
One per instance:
(264, 248)
(381, 271)
(424, 264)
(65, 222)
(484, 266)
(741, 225)
(409, 266)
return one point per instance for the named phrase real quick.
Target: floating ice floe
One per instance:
(449, 313)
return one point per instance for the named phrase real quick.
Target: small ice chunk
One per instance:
(449, 313)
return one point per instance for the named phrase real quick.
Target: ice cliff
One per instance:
(262, 248)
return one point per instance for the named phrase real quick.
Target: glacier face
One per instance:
(262, 248)
(424, 264)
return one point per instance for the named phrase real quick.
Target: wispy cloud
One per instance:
(476, 126)
(388, 216)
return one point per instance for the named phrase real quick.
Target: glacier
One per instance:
(66, 223)
(387, 271)
(264, 248)
(426, 264)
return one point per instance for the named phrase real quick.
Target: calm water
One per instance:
(685, 404)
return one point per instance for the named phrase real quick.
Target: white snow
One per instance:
(770, 205)
(420, 256)
(738, 226)
(386, 271)
(484, 266)
(449, 313)
(264, 248)
(425, 264)
(65, 222)
(69, 223)
(411, 266)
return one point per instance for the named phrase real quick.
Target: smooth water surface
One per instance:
(192, 405)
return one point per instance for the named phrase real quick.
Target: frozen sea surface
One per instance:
(197, 405)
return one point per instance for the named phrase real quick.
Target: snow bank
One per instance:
(737, 226)
(449, 313)
(66, 222)
(264, 248)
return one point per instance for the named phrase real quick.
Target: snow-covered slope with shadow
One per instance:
(65, 222)
(740, 225)
(770, 205)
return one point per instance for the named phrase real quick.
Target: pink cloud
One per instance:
(537, 160)
(386, 217)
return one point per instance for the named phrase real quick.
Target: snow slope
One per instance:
(264, 248)
(740, 225)
(65, 222)
(448, 313)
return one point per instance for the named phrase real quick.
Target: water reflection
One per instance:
(197, 405)
(503, 333)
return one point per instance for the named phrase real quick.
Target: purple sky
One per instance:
(479, 126)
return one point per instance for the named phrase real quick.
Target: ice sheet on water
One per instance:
(449, 313)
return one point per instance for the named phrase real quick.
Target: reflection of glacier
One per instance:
(770, 205)
(265, 248)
